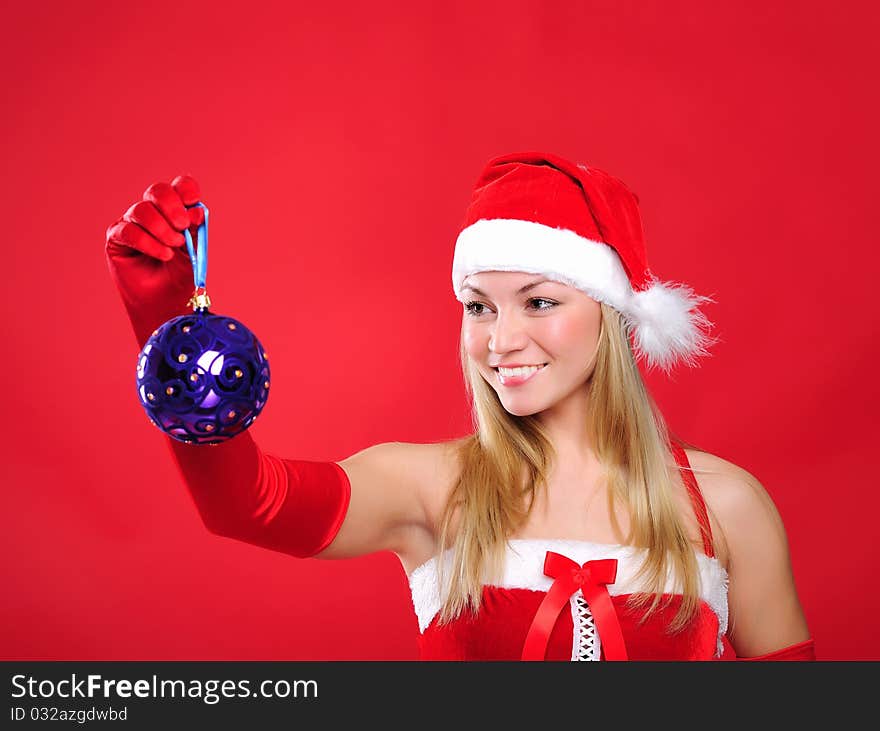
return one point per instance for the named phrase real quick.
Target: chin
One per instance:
(521, 410)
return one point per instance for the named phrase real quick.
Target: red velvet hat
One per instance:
(539, 213)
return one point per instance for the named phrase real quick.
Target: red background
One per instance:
(336, 145)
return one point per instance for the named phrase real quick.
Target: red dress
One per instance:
(565, 600)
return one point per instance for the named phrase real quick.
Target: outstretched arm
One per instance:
(366, 503)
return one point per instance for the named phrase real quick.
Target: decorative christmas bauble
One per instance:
(203, 378)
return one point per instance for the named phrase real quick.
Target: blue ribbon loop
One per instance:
(199, 258)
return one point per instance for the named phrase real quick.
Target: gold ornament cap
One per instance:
(200, 299)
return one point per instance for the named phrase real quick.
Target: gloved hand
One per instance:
(147, 254)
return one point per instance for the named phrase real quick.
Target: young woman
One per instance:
(570, 525)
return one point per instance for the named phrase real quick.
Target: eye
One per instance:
(545, 304)
(550, 303)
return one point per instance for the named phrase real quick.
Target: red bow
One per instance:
(591, 579)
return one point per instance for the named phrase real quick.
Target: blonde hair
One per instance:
(507, 459)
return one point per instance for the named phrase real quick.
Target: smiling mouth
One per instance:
(539, 366)
(519, 378)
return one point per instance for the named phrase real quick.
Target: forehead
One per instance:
(499, 283)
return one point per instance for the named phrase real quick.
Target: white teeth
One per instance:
(519, 372)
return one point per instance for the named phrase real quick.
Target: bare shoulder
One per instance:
(436, 468)
(395, 487)
(398, 491)
(735, 500)
(421, 469)
(730, 490)
(764, 608)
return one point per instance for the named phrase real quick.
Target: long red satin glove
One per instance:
(802, 651)
(292, 506)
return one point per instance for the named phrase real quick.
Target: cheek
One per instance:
(474, 342)
(564, 332)
(576, 334)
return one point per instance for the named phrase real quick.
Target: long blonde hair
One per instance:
(508, 458)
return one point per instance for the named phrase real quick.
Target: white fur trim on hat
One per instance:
(668, 326)
(665, 321)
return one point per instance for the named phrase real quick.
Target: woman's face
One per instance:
(508, 319)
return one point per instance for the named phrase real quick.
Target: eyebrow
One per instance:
(529, 286)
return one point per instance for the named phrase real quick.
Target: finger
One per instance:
(169, 203)
(196, 216)
(188, 189)
(125, 237)
(147, 215)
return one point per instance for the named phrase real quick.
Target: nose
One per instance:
(507, 334)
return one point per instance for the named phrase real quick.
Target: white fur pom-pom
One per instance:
(668, 326)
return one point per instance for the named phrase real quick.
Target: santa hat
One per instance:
(538, 213)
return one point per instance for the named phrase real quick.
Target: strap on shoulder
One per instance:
(696, 497)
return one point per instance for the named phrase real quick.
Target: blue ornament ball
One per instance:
(202, 378)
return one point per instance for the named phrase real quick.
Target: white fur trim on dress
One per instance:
(664, 318)
(524, 569)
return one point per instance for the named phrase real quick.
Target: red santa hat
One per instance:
(539, 213)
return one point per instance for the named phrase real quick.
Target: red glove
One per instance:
(147, 255)
(801, 651)
(293, 506)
